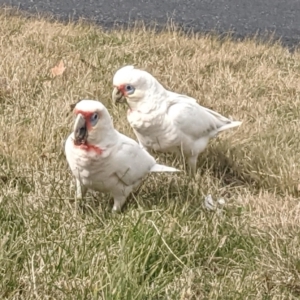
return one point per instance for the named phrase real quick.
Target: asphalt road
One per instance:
(242, 17)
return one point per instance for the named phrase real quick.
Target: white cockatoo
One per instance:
(103, 159)
(163, 120)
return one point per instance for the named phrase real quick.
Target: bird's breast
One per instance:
(90, 168)
(154, 131)
(142, 121)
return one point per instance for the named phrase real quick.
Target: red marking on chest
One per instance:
(90, 148)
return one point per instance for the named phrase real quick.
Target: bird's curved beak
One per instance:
(117, 96)
(80, 130)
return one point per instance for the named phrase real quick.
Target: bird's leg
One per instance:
(80, 190)
(192, 162)
(118, 203)
(80, 193)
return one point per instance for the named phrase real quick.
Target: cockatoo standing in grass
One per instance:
(103, 159)
(166, 121)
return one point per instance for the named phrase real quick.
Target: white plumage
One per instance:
(103, 159)
(166, 121)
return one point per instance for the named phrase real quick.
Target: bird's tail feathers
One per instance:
(162, 168)
(230, 125)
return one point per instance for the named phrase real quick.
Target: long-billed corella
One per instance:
(103, 159)
(166, 121)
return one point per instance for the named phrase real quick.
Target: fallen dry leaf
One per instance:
(58, 69)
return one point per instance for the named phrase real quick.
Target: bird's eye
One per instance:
(94, 119)
(129, 89)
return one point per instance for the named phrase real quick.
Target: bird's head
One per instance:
(134, 86)
(92, 124)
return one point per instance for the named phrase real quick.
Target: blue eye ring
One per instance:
(94, 119)
(129, 89)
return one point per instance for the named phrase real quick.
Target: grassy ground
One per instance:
(165, 245)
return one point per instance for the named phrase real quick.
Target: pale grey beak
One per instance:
(117, 96)
(80, 130)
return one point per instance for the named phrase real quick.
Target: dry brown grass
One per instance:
(50, 250)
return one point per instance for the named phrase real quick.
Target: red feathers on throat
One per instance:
(90, 148)
(85, 146)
